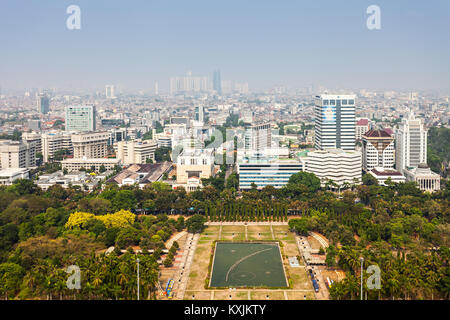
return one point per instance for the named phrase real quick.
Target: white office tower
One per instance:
(411, 143)
(109, 91)
(156, 89)
(335, 165)
(90, 145)
(335, 122)
(378, 150)
(258, 138)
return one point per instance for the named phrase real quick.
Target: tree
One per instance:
(11, 276)
(369, 180)
(307, 179)
(196, 223)
(25, 186)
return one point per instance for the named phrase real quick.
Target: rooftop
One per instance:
(377, 134)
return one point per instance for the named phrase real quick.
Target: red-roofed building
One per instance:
(377, 150)
(362, 126)
(382, 174)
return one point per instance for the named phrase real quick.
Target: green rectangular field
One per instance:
(248, 264)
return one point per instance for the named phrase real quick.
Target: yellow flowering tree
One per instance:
(118, 219)
(78, 219)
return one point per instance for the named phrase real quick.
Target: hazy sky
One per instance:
(135, 43)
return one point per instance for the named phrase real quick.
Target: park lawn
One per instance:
(230, 237)
(261, 229)
(229, 229)
(259, 236)
(199, 266)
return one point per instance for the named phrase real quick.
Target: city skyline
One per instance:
(291, 43)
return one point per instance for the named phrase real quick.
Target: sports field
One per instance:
(199, 282)
(248, 264)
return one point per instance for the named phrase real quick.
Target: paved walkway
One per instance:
(176, 237)
(323, 242)
(241, 223)
(182, 275)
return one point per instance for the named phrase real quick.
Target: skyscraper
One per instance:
(43, 103)
(80, 118)
(411, 143)
(109, 91)
(335, 122)
(217, 84)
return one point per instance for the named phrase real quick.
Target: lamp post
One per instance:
(362, 262)
(137, 260)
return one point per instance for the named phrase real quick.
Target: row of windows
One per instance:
(344, 102)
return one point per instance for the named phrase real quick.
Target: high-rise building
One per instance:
(109, 91)
(189, 84)
(34, 125)
(90, 145)
(200, 114)
(17, 154)
(335, 122)
(258, 138)
(156, 89)
(217, 84)
(52, 142)
(411, 143)
(377, 150)
(43, 103)
(80, 118)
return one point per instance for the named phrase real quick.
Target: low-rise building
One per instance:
(425, 179)
(86, 181)
(8, 176)
(264, 172)
(95, 164)
(383, 174)
(141, 174)
(194, 163)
